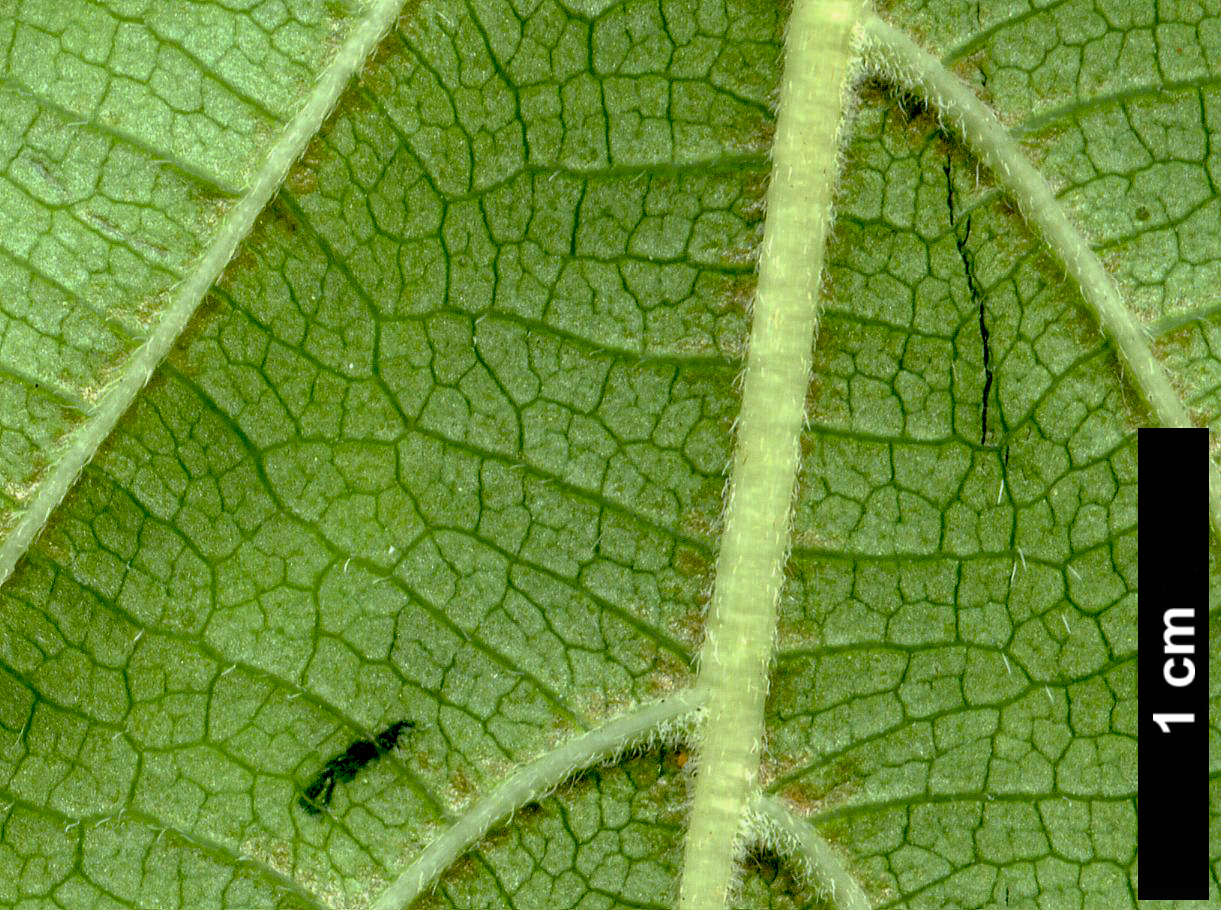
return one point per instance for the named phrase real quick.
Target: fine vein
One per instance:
(913, 69)
(658, 720)
(118, 397)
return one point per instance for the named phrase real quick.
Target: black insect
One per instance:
(345, 767)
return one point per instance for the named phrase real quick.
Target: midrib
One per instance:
(737, 647)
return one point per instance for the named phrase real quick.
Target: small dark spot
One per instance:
(874, 84)
(389, 738)
(773, 871)
(913, 106)
(359, 754)
(344, 767)
(529, 810)
(1142, 213)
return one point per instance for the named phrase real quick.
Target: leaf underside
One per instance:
(446, 443)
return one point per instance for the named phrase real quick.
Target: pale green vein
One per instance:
(659, 721)
(791, 836)
(900, 60)
(118, 397)
(737, 648)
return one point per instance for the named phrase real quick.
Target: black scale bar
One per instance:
(1172, 613)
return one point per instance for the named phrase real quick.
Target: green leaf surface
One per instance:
(447, 441)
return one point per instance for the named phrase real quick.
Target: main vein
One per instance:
(737, 647)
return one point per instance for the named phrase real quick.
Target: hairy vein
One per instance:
(819, 69)
(118, 397)
(660, 720)
(900, 60)
(791, 835)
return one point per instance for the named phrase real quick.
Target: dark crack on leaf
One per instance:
(344, 767)
(968, 266)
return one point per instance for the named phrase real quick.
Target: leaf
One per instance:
(446, 443)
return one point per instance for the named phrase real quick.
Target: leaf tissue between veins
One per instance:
(345, 766)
